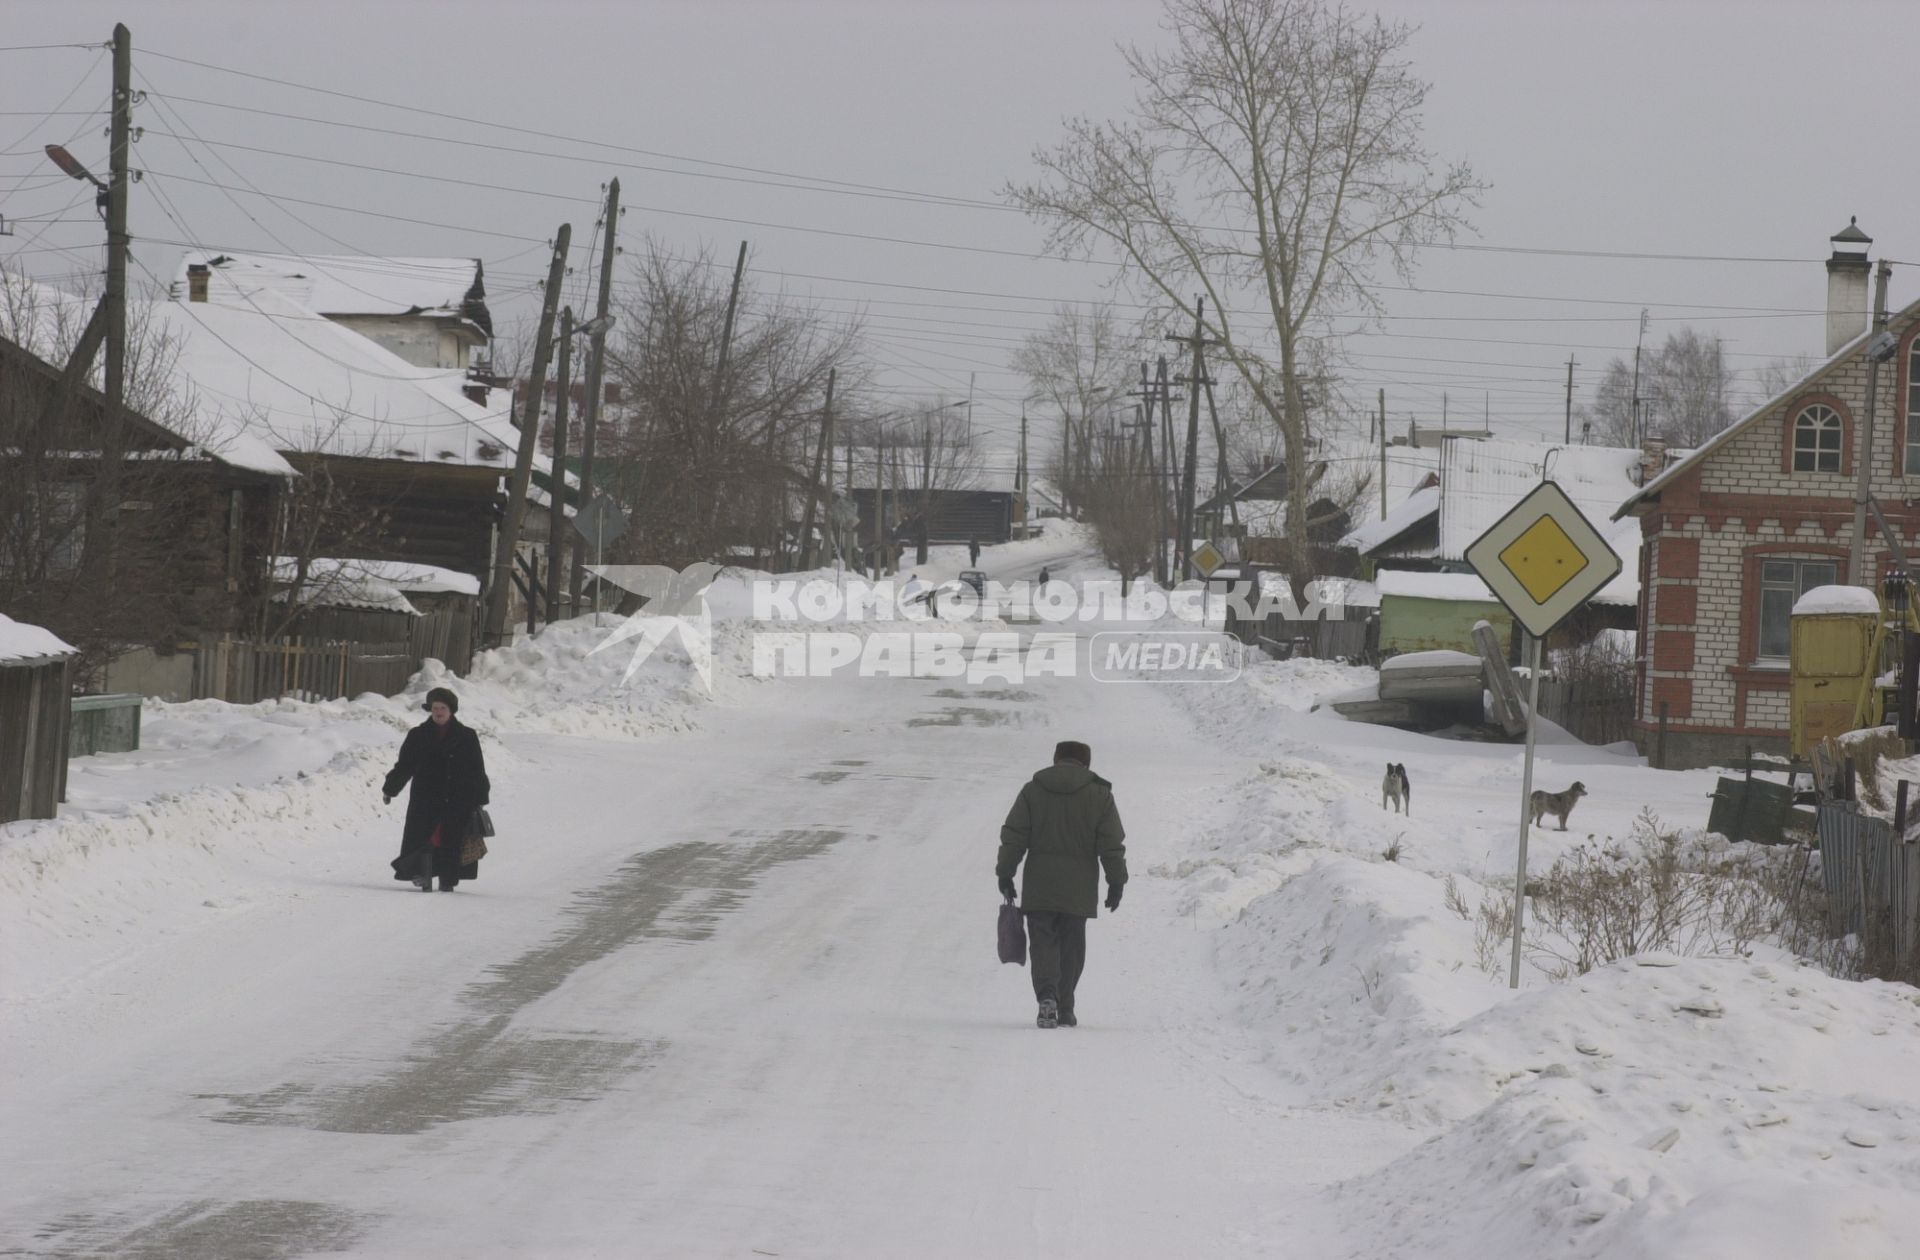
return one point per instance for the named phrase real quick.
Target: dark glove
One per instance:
(389, 797)
(1006, 887)
(1113, 896)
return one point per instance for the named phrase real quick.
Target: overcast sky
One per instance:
(1747, 130)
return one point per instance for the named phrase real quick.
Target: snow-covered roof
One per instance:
(344, 285)
(21, 643)
(1480, 482)
(1347, 592)
(260, 365)
(333, 583)
(1824, 600)
(40, 313)
(1455, 586)
(1416, 508)
(421, 579)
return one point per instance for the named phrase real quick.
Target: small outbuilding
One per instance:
(35, 688)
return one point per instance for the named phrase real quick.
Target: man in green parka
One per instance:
(1066, 826)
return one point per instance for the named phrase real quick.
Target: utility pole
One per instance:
(879, 503)
(1569, 437)
(1066, 464)
(509, 540)
(557, 483)
(1863, 450)
(596, 375)
(1170, 493)
(1383, 454)
(1184, 548)
(1020, 476)
(1633, 415)
(102, 524)
(820, 462)
(726, 330)
(926, 489)
(1220, 453)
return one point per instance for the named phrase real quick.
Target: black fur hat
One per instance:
(442, 695)
(1073, 750)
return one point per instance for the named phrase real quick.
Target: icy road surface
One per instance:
(730, 993)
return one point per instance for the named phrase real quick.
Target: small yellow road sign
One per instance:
(1543, 559)
(1207, 558)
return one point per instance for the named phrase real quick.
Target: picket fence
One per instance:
(244, 672)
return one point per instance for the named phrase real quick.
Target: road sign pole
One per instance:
(1526, 812)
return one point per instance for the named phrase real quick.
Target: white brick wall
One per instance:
(1751, 463)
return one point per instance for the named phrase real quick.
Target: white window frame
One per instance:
(1792, 589)
(1818, 421)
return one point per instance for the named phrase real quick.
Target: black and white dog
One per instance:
(1398, 789)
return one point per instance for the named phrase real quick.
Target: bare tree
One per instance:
(1686, 394)
(1778, 376)
(707, 466)
(1117, 502)
(1273, 155)
(940, 459)
(1080, 363)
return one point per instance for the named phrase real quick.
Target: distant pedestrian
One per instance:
(1066, 826)
(441, 758)
(973, 553)
(1043, 575)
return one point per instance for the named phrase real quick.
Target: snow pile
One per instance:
(1658, 1106)
(1670, 1107)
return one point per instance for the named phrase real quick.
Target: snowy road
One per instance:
(725, 994)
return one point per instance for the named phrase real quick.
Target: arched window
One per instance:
(1816, 440)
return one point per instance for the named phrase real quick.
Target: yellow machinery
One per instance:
(1841, 666)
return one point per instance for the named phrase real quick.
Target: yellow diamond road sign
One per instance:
(1207, 558)
(1543, 559)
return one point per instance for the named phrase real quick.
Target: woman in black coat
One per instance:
(442, 759)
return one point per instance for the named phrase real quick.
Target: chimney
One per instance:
(1653, 459)
(197, 282)
(1847, 286)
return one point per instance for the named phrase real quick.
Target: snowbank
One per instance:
(1743, 1105)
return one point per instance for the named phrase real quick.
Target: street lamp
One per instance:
(72, 166)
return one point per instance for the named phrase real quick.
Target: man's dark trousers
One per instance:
(1056, 953)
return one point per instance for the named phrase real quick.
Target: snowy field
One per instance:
(726, 988)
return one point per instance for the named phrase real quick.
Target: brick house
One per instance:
(1734, 532)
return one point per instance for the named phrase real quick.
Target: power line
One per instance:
(842, 189)
(468, 120)
(939, 198)
(329, 205)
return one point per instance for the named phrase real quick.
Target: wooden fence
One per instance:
(243, 672)
(34, 718)
(1594, 706)
(1355, 639)
(1872, 878)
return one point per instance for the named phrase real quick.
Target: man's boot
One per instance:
(1049, 1016)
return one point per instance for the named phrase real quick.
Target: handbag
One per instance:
(474, 847)
(1013, 934)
